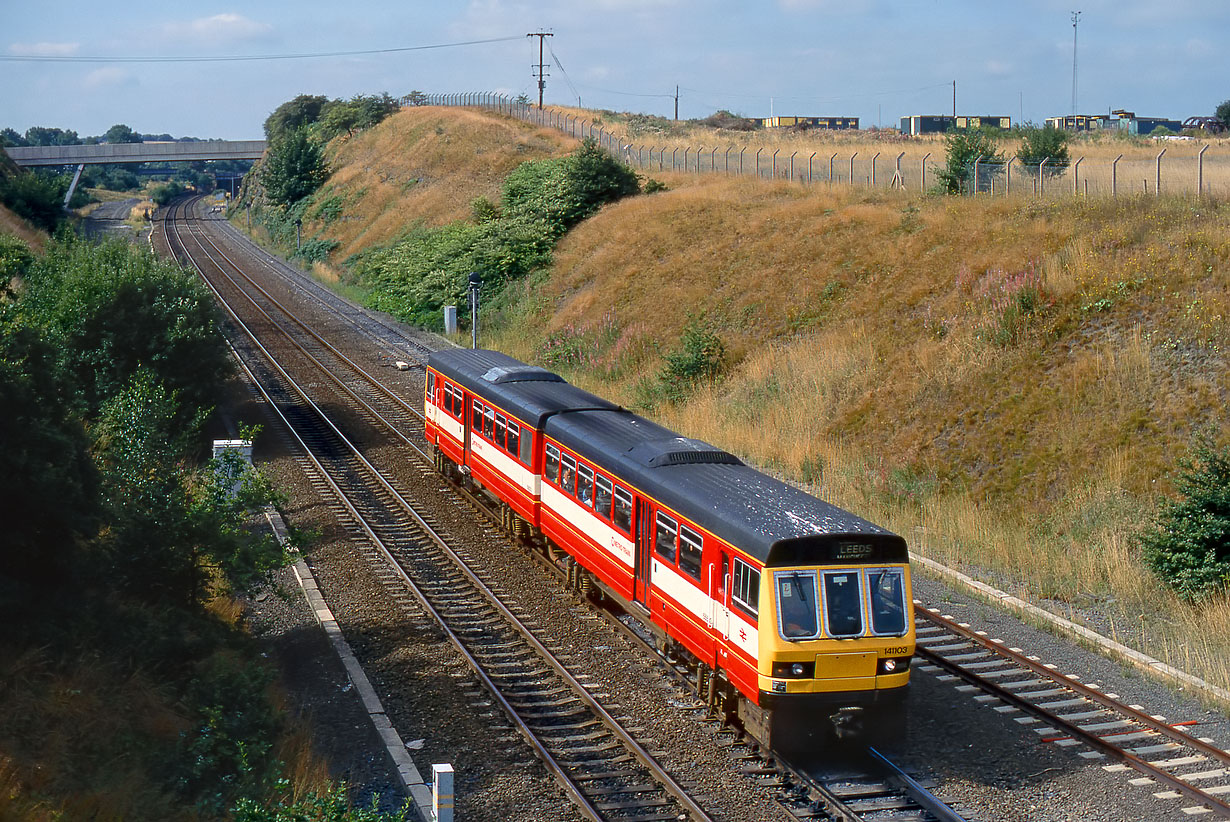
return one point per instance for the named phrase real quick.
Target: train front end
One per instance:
(836, 639)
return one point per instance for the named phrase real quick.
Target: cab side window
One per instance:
(745, 588)
(431, 387)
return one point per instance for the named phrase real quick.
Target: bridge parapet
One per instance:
(136, 152)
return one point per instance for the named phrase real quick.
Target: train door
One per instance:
(644, 547)
(469, 421)
(721, 611)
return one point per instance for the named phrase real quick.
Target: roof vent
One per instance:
(681, 451)
(520, 373)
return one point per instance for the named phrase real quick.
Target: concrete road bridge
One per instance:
(81, 156)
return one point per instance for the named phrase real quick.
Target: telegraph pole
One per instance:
(542, 67)
(1076, 18)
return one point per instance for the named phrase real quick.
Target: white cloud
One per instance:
(219, 28)
(44, 49)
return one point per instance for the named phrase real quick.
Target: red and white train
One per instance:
(796, 614)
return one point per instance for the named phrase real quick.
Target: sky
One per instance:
(877, 60)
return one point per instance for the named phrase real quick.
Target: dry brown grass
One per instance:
(10, 223)
(424, 164)
(873, 358)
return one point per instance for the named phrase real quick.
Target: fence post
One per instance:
(1076, 175)
(1157, 187)
(713, 160)
(685, 159)
(974, 187)
(874, 157)
(674, 153)
(831, 161)
(852, 156)
(1114, 174)
(728, 159)
(1042, 176)
(741, 160)
(1008, 176)
(897, 171)
(810, 178)
(758, 161)
(775, 162)
(792, 165)
(922, 168)
(1200, 172)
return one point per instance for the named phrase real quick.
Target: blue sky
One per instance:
(874, 59)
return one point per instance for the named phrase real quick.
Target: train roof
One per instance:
(530, 393)
(773, 521)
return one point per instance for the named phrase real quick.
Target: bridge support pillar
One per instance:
(73, 187)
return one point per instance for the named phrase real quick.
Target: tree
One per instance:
(112, 311)
(48, 485)
(1188, 545)
(565, 191)
(120, 133)
(964, 147)
(36, 197)
(294, 115)
(294, 168)
(43, 136)
(1222, 112)
(415, 98)
(1049, 144)
(9, 137)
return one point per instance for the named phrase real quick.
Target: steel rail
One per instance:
(1075, 731)
(646, 759)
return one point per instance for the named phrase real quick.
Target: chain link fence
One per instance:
(1184, 166)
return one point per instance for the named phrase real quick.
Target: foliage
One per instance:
(430, 268)
(415, 98)
(700, 358)
(565, 191)
(330, 806)
(1049, 144)
(963, 147)
(120, 133)
(359, 112)
(1188, 545)
(112, 310)
(44, 136)
(731, 122)
(316, 250)
(36, 197)
(1222, 112)
(294, 168)
(294, 115)
(47, 480)
(167, 192)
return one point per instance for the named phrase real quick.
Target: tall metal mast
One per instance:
(542, 67)
(1076, 18)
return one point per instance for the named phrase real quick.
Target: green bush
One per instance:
(38, 198)
(1188, 546)
(700, 358)
(963, 147)
(564, 191)
(293, 168)
(167, 192)
(1049, 143)
(330, 806)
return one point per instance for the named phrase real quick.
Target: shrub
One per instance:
(963, 147)
(565, 191)
(294, 167)
(36, 197)
(1188, 545)
(1050, 144)
(700, 358)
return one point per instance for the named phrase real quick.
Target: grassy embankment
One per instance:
(1006, 382)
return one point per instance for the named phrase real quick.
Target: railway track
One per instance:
(1070, 713)
(606, 772)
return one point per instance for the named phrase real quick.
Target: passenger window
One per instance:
(501, 425)
(551, 470)
(689, 552)
(602, 496)
(568, 474)
(476, 417)
(431, 386)
(843, 604)
(621, 515)
(585, 485)
(527, 448)
(745, 588)
(514, 437)
(489, 423)
(664, 537)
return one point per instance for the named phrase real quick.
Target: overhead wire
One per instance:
(564, 72)
(245, 58)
